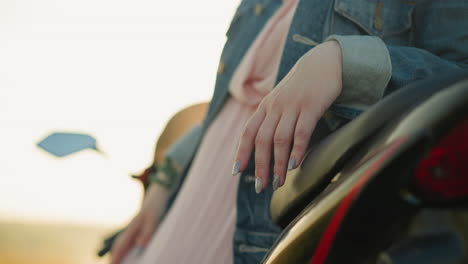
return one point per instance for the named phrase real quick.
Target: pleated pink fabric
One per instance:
(200, 225)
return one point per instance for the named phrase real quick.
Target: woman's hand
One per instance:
(140, 230)
(287, 116)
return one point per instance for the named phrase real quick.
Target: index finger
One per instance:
(247, 141)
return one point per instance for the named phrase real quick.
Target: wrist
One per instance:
(155, 190)
(333, 49)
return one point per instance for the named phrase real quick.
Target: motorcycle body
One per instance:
(362, 194)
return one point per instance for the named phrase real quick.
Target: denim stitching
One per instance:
(251, 249)
(304, 40)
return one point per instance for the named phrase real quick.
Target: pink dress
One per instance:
(200, 225)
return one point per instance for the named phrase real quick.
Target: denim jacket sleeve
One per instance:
(181, 153)
(373, 68)
(178, 157)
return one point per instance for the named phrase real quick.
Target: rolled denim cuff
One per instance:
(366, 71)
(181, 152)
(163, 174)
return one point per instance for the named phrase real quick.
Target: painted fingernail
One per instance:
(138, 251)
(276, 182)
(291, 163)
(236, 167)
(258, 185)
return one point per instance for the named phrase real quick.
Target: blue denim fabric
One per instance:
(418, 37)
(255, 232)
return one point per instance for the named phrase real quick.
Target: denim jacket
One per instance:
(385, 44)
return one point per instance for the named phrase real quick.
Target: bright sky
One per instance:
(115, 69)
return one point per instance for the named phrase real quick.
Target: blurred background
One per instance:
(117, 70)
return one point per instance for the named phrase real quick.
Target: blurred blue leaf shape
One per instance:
(62, 144)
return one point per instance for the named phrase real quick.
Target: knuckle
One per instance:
(263, 102)
(281, 140)
(299, 148)
(301, 135)
(261, 142)
(307, 105)
(248, 132)
(276, 103)
(312, 111)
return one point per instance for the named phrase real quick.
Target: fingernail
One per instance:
(276, 182)
(138, 251)
(258, 185)
(291, 163)
(236, 167)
